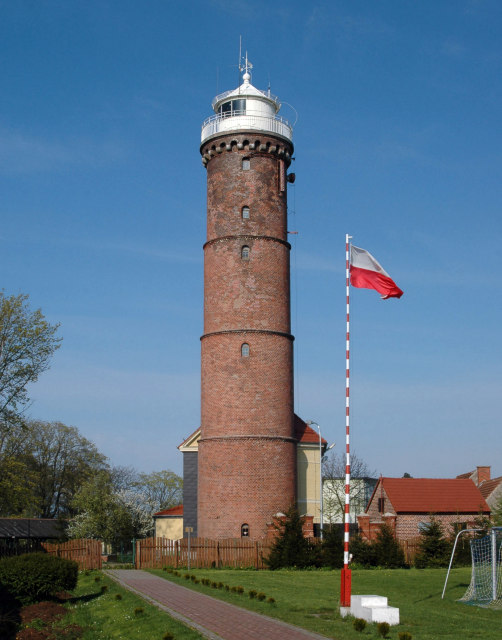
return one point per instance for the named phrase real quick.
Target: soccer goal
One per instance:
(485, 589)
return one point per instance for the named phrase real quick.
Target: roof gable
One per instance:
(488, 487)
(433, 495)
(172, 511)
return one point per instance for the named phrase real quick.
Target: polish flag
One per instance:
(367, 273)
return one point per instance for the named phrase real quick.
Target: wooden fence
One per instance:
(86, 552)
(238, 553)
(410, 548)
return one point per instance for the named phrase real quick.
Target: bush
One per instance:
(260, 596)
(404, 635)
(118, 596)
(359, 624)
(35, 576)
(434, 549)
(168, 636)
(290, 548)
(388, 551)
(271, 600)
(332, 547)
(138, 611)
(253, 593)
(383, 629)
(363, 552)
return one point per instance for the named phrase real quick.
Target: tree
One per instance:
(27, 344)
(162, 488)
(290, 548)
(388, 551)
(434, 549)
(52, 461)
(116, 517)
(497, 513)
(333, 471)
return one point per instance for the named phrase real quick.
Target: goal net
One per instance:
(485, 589)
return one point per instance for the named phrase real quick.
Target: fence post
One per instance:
(176, 553)
(138, 554)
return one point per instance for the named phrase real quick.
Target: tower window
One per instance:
(245, 253)
(245, 531)
(245, 213)
(246, 164)
(381, 505)
(245, 352)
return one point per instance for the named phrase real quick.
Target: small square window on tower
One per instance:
(245, 253)
(245, 350)
(246, 164)
(245, 213)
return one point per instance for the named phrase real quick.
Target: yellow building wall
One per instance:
(170, 528)
(308, 483)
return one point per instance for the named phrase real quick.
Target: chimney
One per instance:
(483, 474)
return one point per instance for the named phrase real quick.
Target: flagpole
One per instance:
(346, 578)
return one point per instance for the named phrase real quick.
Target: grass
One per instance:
(310, 599)
(102, 615)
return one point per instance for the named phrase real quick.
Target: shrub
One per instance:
(290, 548)
(196, 581)
(34, 576)
(138, 611)
(220, 585)
(187, 576)
(168, 636)
(234, 589)
(388, 551)
(252, 593)
(240, 589)
(332, 547)
(214, 585)
(271, 600)
(97, 578)
(383, 629)
(227, 587)
(363, 552)
(433, 549)
(260, 596)
(404, 635)
(104, 588)
(118, 596)
(359, 624)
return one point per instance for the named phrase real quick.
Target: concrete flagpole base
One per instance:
(372, 609)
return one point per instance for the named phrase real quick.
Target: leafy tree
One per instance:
(407, 475)
(388, 551)
(290, 548)
(162, 488)
(434, 549)
(62, 460)
(497, 513)
(116, 517)
(52, 462)
(27, 344)
(333, 470)
(17, 488)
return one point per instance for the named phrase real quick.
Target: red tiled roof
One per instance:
(466, 475)
(432, 495)
(306, 434)
(487, 487)
(173, 511)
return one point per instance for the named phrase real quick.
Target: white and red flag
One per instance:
(368, 273)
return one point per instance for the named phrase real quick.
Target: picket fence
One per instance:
(86, 552)
(238, 553)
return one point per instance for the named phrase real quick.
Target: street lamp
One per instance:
(321, 458)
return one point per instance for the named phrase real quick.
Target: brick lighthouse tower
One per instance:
(247, 448)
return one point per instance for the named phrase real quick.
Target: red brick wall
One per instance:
(247, 450)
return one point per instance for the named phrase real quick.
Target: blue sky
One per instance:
(398, 142)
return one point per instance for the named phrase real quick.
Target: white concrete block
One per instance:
(371, 608)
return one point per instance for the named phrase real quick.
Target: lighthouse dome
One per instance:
(246, 109)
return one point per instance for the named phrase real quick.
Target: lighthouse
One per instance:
(247, 449)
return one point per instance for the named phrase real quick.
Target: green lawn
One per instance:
(104, 616)
(309, 599)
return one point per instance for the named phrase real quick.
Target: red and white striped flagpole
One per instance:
(346, 578)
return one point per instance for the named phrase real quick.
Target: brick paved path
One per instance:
(212, 618)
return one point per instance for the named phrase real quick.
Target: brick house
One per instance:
(406, 504)
(490, 488)
(308, 477)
